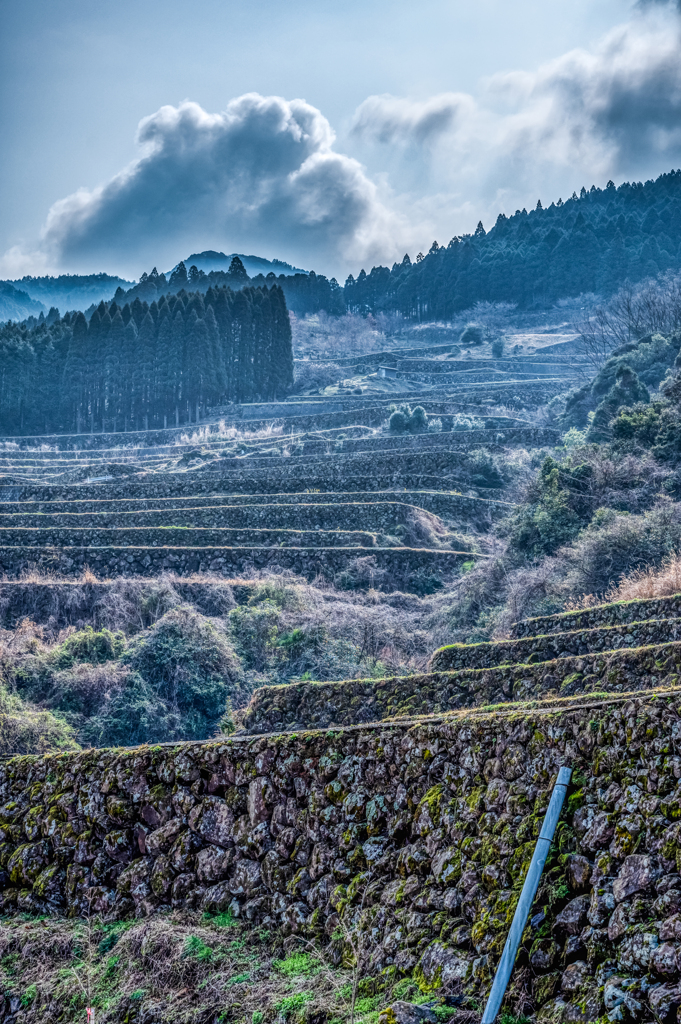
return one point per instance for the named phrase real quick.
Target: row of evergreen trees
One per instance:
(591, 243)
(304, 293)
(143, 365)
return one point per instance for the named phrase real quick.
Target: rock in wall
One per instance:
(421, 834)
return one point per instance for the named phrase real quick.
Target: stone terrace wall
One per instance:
(556, 645)
(357, 701)
(399, 563)
(380, 515)
(182, 536)
(425, 832)
(602, 615)
(153, 494)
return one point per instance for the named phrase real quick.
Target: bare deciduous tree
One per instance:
(651, 307)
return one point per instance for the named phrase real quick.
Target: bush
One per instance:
(627, 390)
(547, 521)
(615, 544)
(25, 729)
(404, 419)
(254, 632)
(398, 422)
(497, 348)
(418, 419)
(471, 335)
(462, 421)
(191, 665)
(89, 645)
(648, 359)
(656, 427)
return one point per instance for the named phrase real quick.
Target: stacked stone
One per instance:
(421, 834)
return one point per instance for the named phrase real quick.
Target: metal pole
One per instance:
(534, 872)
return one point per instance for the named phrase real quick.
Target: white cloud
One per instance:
(614, 111)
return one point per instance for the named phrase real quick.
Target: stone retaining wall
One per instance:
(380, 515)
(180, 536)
(421, 834)
(403, 566)
(153, 494)
(601, 615)
(556, 645)
(357, 701)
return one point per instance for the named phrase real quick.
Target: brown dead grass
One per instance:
(175, 967)
(652, 581)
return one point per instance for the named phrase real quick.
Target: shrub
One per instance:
(404, 418)
(89, 645)
(398, 422)
(434, 426)
(471, 335)
(418, 419)
(544, 524)
(191, 665)
(649, 359)
(615, 544)
(461, 421)
(25, 729)
(497, 348)
(254, 630)
(627, 390)
(484, 471)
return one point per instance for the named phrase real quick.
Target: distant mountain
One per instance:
(211, 260)
(68, 291)
(16, 304)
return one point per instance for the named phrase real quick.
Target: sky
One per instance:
(331, 136)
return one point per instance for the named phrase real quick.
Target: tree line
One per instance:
(593, 242)
(142, 365)
(304, 293)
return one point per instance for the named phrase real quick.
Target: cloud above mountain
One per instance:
(261, 173)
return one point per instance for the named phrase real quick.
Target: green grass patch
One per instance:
(238, 979)
(297, 965)
(289, 1004)
(197, 949)
(29, 995)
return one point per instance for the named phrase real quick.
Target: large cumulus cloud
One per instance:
(263, 173)
(613, 111)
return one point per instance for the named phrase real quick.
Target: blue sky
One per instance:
(419, 119)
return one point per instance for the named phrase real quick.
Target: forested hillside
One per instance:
(70, 291)
(591, 243)
(144, 365)
(304, 293)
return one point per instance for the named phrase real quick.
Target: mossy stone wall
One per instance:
(420, 833)
(176, 494)
(314, 705)
(108, 561)
(601, 615)
(556, 645)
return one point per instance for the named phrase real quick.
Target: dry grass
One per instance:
(225, 433)
(178, 967)
(652, 581)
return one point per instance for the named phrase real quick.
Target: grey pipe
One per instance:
(534, 872)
